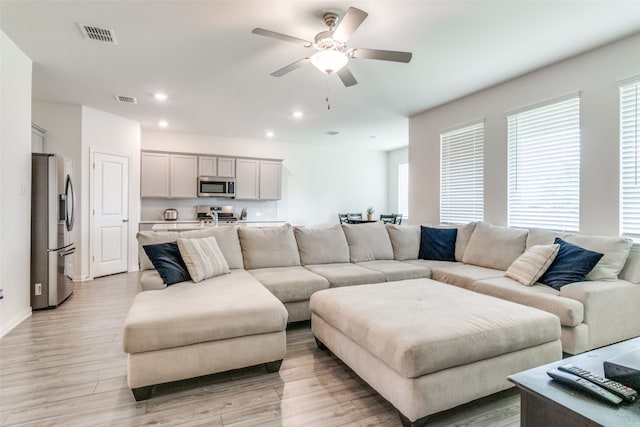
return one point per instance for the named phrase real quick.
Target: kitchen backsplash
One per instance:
(152, 209)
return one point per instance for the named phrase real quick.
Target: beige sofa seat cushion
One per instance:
(227, 239)
(570, 311)
(397, 270)
(264, 247)
(290, 284)
(607, 309)
(463, 275)
(411, 326)
(494, 247)
(368, 242)
(233, 305)
(324, 245)
(346, 274)
(405, 240)
(432, 263)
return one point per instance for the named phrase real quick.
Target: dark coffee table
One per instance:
(544, 402)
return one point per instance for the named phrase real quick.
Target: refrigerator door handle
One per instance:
(65, 247)
(67, 252)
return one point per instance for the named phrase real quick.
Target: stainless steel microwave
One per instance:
(213, 186)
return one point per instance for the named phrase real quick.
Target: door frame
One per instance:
(92, 170)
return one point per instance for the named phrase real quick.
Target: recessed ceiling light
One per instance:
(269, 134)
(160, 96)
(163, 123)
(298, 114)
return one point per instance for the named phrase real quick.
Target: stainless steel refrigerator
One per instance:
(52, 218)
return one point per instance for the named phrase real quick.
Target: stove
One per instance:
(225, 214)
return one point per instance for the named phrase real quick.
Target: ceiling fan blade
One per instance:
(346, 77)
(384, 55)
(280, 36)
(289, 68)
(349, 23)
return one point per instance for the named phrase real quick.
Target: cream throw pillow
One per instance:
(532, 264)
(203, 258)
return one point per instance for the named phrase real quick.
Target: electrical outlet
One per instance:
(38, 290)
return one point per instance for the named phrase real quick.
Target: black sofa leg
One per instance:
(273, 366)
(420, 422)
(142, 393)
(321, 345)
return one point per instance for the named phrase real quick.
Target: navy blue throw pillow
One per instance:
(166, 258)
(572, 264)
(438, 243)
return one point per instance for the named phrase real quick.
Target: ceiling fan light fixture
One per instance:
(329, 61)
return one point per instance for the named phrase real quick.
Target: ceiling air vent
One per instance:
(126, 99)
(91, 32)
(332, 132)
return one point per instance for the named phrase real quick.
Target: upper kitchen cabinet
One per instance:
(184, 176)
(270, 179)
(247, 179)
(154, 175)
(258, 179)
(168, 175)
(217, 166)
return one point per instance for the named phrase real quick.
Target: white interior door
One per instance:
(110, 213)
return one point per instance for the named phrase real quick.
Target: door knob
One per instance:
(125, 220)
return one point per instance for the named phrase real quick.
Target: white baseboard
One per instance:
(15, 322)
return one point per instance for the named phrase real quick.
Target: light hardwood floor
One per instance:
(66, 367)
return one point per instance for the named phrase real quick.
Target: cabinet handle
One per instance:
(125, 220)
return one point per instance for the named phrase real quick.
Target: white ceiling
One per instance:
(216, 73)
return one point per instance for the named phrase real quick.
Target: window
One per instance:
(544, 166)
(403, 189)
(462, 174)
(629, 156)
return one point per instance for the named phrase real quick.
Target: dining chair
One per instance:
(343, 218)
(398, 219)
(354, 216)
(388, 218)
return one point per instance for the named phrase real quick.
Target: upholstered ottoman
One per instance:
(426, 346)
(192, 329)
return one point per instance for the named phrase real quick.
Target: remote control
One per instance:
(627, 393)
(584, 385)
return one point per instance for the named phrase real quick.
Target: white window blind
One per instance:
(462, 175)
(403, 189)
(544, 166)
(629, 159)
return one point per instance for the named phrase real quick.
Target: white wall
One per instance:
(75, 132)
(395, 158)
(595, 75)
(106, 133)
(318, 182)
(15, 184)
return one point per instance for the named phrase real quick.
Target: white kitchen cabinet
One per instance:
(184, 176)
(270, 179)
(216, 166)
(247, 179)
(164, 175)
(226, 167)
(207, 166)
(154, 175)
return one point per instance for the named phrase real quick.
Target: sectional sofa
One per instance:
(238, 319)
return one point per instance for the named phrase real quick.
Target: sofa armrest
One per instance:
(610, 309)
(151, 280)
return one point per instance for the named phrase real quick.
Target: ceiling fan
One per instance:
(332, 54)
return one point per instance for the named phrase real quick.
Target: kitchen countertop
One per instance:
(197, 225)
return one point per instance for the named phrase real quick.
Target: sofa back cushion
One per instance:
(615, 251)
(324, 245)
(151, 238)
(227, 239)
(405, 241)
(494, 247)
(264, 247)
(368, 242)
